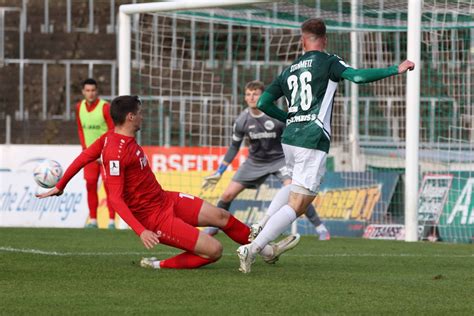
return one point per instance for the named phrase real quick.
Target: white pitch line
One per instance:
(325, 255)
(70, 254)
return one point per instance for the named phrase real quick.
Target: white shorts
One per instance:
(306, 167)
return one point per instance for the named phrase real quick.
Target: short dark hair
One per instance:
(89, 81)
(123, 105)
(315, 27)
(255, 85)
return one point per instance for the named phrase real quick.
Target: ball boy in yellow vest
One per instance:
(93, 119)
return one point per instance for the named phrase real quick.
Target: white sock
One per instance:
(279, 200)
(93, 221)
(266, 251)
(156, 264)
(276, 225)
(321, 229)
(263, 220)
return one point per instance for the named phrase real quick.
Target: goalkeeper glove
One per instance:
(211, 181)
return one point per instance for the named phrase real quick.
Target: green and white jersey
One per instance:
(309, 86)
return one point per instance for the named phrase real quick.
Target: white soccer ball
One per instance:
(47, 173)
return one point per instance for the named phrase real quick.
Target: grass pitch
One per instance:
(75, 271)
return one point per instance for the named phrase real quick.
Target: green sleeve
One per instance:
(266, 105)
(336, 68)
(369, 75)
(275, 88)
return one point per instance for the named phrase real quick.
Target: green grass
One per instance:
(96, 272)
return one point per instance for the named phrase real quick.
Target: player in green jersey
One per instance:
(265, 158)
(309, 85)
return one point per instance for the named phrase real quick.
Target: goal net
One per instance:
(190, 68)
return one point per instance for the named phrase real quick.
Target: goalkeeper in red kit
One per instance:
(156, 215)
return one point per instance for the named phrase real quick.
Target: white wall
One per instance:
(18, 205)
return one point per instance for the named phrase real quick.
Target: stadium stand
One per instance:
(55, 59)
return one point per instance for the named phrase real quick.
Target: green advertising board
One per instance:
(456, 223)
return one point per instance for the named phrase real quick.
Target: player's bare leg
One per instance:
(230, 193)
(208, 247)
(211, 215)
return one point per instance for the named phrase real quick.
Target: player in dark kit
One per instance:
(156, 215)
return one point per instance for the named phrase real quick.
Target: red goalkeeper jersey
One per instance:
(131, 185)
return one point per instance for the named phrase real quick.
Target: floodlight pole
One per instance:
(412, 121)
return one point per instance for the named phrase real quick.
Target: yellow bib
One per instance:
(93, 123)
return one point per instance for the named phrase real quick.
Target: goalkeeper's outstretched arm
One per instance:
(211, 180)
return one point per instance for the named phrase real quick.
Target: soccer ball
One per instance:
(47, 173)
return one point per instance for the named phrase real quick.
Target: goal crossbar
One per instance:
(125, 28)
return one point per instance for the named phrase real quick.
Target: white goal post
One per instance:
(412, 121)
